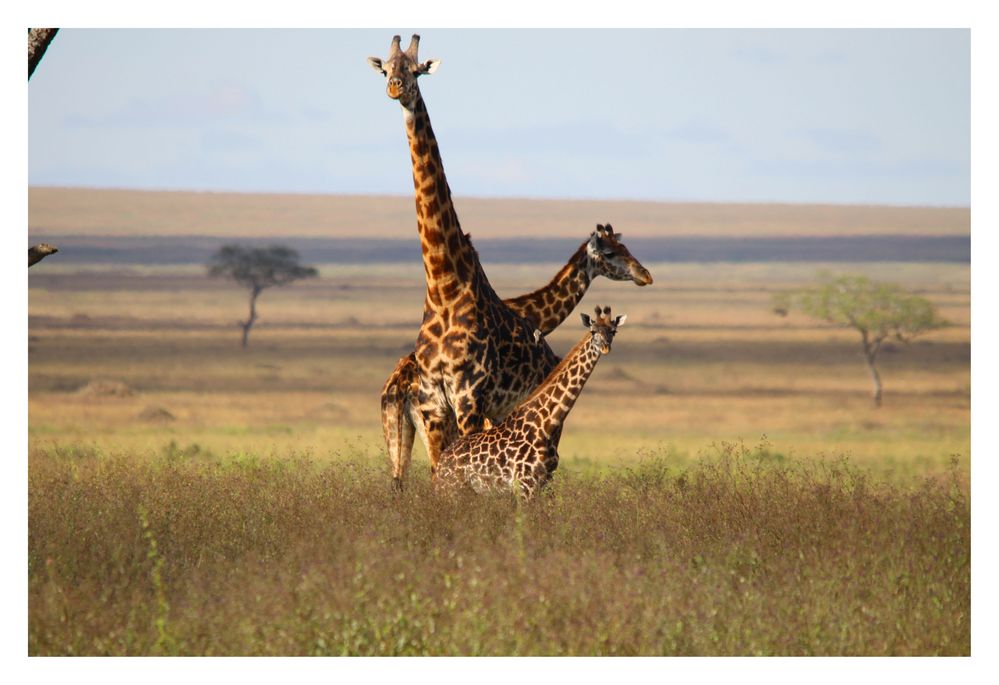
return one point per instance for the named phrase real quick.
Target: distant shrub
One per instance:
(105, 388)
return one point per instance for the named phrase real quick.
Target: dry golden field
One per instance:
(118, 212)
(702, 360)
(190, 497)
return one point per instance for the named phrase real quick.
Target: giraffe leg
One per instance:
(437, 428)
(444, 430)
(434, 432)
(399, 433)
(397, 424)
(471, 419)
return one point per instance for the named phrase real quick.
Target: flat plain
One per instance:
(137, 382)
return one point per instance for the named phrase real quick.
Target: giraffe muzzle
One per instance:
(641, 276)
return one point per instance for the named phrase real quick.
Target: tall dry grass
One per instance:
(741, 553)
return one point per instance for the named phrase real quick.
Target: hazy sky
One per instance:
(841, 116)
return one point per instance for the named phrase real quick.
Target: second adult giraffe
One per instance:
(602, 254)
(476, 358)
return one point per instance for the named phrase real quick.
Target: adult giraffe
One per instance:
(475, 357)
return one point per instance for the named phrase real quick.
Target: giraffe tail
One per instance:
(397, 424)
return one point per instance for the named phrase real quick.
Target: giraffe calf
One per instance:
(521, 452)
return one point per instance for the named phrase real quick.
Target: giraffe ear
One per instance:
(619, 321)
(428, 67)
(376, 64)
(586, 320)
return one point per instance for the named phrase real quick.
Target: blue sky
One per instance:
(833, 116)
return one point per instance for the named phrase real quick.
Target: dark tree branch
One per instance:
(38, 43)
(40, 252)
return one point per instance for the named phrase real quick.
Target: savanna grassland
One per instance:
(725, 487)
(739, 554)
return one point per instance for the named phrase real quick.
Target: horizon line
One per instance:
(512, 198)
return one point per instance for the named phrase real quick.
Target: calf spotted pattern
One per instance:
(521, 452)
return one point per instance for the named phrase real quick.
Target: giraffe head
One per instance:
(603, 328)
(401, 69)
(609, 257)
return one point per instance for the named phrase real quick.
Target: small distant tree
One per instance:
(258, 269)
(878, 311)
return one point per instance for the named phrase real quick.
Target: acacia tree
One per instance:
(258, 269)
(878, 311)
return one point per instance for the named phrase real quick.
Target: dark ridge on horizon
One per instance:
(198, 249)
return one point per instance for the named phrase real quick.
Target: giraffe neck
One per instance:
(448, 258)
(546, 308)
(555, 397)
